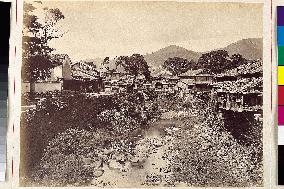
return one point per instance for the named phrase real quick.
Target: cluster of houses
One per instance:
(237, 90)
(86, 77)
(240, 89)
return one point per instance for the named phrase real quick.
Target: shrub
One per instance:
(208, 155)
(119, 117)
(72, 157)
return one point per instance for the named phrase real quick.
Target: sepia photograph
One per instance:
(141, 94)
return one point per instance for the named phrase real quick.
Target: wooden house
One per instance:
(241, 95)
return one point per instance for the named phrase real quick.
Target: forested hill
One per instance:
(249, 49)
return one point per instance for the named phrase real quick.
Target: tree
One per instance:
(36, 35)
(135, 65)
(215, 61)
(177, 65)
(237, 60)
(106, 63)
(37, 67)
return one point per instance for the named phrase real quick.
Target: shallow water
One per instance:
(153, 166)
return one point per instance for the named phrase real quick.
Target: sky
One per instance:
(100, 29)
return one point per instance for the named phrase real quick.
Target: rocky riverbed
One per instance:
(149, 167)
(187, 144)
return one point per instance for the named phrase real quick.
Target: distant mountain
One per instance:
(157, 59)
(249, 48)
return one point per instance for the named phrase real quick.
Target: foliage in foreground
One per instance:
(72, 157)
(119, 117)
(200, 151)
(208, 155)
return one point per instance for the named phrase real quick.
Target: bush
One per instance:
(72, 157)
(208, 155)
(119, 117)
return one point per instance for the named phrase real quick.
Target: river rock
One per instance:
(98, 173)
(135, 160)
(119, 157)
(87, 161)
(113, 164)
(126, 166)
(92, 162)
(97, 162)
(107, 151)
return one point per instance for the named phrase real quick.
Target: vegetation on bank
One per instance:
(208, 154)
(70, 139)
(119, 119)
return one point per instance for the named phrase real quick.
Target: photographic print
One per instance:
(141, 94)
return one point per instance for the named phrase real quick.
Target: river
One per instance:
(152, 169)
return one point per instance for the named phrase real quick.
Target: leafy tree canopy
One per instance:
(37, 67)
(135, 65)
(214, 61)
(36, 35)
(237, 60)
(218, 61)
(177, 65)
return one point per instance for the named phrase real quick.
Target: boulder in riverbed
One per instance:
(98, 173)
(113, 164)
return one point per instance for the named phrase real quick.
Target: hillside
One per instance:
(249, 48)
(156, 59)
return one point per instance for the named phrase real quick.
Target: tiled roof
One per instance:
(251, 67)
(245, 85)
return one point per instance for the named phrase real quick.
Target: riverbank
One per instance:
(126, 141)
